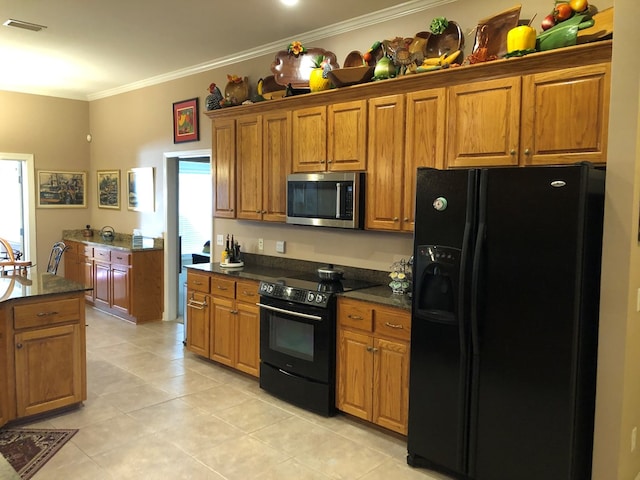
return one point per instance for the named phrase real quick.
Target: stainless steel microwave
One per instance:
(333, 199)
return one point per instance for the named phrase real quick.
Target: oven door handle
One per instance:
(289, 312)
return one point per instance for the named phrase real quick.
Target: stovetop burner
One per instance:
(308, 289)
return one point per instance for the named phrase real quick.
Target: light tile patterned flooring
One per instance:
(156, 411)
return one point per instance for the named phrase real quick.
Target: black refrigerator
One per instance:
(505, 321)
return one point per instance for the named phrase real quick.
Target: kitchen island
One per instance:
(42, 344)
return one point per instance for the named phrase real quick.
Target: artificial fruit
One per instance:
(578, 6)
(562, 12)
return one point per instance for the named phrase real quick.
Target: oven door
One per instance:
(297, 339)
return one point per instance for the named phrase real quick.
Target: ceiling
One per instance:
(92, 49)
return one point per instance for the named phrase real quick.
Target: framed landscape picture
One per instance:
(109, 189)
(185, 121)
(58, 189)
(141, 189)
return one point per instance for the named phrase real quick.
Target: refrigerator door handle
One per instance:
(477, 265)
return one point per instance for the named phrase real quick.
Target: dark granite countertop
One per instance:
(380, 294)
(120, 242)
(13, 287)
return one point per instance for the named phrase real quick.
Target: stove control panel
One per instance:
(294, 294)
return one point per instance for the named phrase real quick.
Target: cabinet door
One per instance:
(198, 323)
(247, 336)
(102, 284)
(121, 288)
(310, 139)
(424, 143)
(347, 136)
(222, 345)
(276, 165)
(48, 366)
(391, 384)
(223, 138)
(385, 163)
(565, 115)
(72, 262)
(86, 276)
(354, 389)
(249, 167)
(484, 123)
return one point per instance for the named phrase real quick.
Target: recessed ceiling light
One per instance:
(289, 3)
(34, 27)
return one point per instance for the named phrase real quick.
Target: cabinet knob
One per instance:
(257, 211)
(527, 151)
(329, 161)
(512, 152)
(264, 211)
(19, 345)
(395, 219)
(405, 219)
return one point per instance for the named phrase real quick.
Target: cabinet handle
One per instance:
(512, 152)
(527, 151)
(355, 317)
(248, 294)
(329, 161)
(220, 287)
(369, 349)
(264, 211)
(391, 325)
(197, 283)
(19, 345)
(234, 312)
(46, 314)
(395, 219)
(197, 305)
(257, 211)
(405, 219)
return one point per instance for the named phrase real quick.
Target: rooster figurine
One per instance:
(213, 101)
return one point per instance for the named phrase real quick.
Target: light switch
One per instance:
(280, 246)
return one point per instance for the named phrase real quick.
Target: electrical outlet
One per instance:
(260, 244)
(280, 246)
(220, 240)
(634, 436)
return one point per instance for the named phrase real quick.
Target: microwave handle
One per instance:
(338, 197)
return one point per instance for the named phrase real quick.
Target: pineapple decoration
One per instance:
(318, 80)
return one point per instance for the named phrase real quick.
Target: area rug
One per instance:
(28, 449)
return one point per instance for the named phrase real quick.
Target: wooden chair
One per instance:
(9, 262)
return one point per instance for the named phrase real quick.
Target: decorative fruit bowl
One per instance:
(343, 77)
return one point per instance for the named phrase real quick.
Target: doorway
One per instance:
(18, 224)
(196, 224)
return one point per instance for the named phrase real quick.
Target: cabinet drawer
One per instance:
(392, 322)
(102, 254)
(355, 314)
(86, 250)
(121, 258)
(198, 282)
(221, 287)
(46, 313)
(247, 292)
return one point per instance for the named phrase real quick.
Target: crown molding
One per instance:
(374, 18)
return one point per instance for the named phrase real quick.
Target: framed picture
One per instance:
(185, 121)
(141, 193)
(61, 189)
(109, 189)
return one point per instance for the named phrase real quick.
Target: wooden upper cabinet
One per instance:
(484, 123)
(276, 164)
(249, 167)
(385, 163)
(224, 167)
(425, 137)
(310, 139)
(347, 136)
(565, 115)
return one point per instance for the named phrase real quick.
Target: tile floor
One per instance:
(155, 411)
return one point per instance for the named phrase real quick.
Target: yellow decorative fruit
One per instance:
(317, 82)
(521, 38)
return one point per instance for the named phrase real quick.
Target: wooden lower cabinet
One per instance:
(4, 352)
(373, 363)
(46, 358)
(224, 325)
(128, 284)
